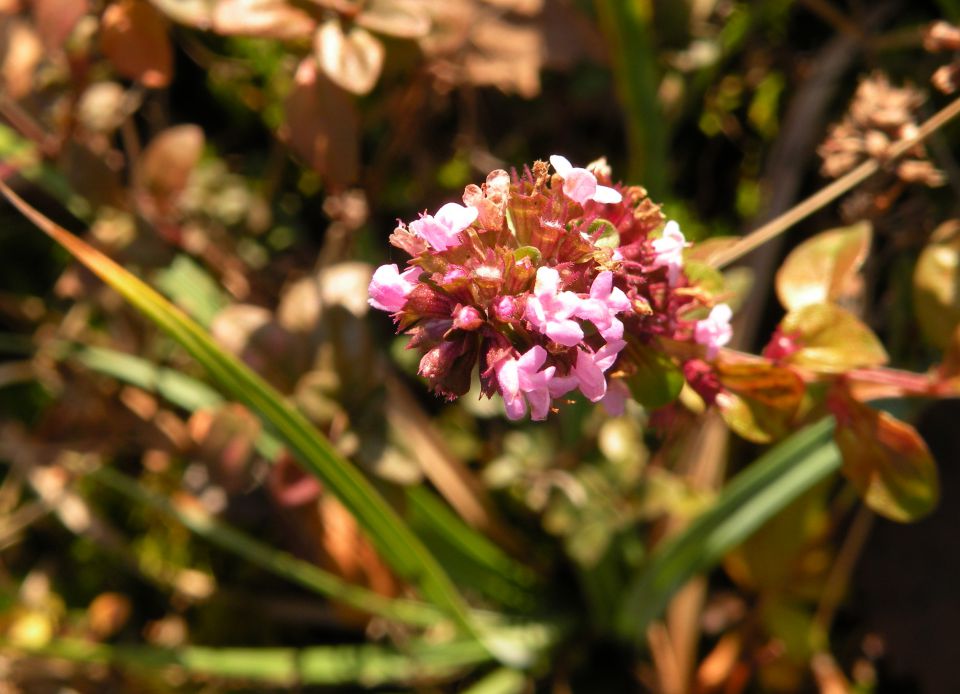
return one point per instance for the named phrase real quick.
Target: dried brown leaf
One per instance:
(404, 19)
(24, 51)
(273, 19)
(133, 37)
(322, 125)
(55, 19)
(166, 165)
(352, 60)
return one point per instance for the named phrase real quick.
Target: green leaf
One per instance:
(753, 497)
(389, 534)
(657, 381)
(824, 268)
(831, 339)
(886, 460)
(192, 289)
(531, 252)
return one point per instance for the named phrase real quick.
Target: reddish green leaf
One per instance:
(886, 460)
(759, 401)
(831, 339)
(824, 268)
(935, 281)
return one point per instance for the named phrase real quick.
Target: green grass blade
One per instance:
(752, 497)
(367, 664)
(627, 26)
(389, 534)
(500, 681)
(277, 561)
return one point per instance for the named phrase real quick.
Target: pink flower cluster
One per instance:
(544, 280)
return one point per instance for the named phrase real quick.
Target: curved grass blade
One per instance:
(389, 534)
(753, 497)
(277, 561)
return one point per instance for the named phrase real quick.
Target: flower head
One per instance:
(542, 296)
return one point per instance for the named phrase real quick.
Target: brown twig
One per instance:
(833, 191)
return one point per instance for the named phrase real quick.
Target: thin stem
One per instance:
(833, 191)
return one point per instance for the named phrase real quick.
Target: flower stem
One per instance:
(833, 191)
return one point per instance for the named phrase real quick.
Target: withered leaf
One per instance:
(133, 37)
(824, 268)
(886, 460)
(167, 163)
(322, 125)
(405, 19)
(831, 339)
(273, 19)
(352, 60)
(759, 401)
(23, 53)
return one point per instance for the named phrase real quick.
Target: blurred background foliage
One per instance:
(249, 159)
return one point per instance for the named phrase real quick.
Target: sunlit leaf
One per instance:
(405, 19)
(831, 339)
(824, 268)
(351, 59)
(133, 36)
(275, 19)
(760, 400)
(936, 279)
(886, 460)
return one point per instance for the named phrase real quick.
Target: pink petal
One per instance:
(532, 359)
(592, 382)
(539, 404)
(600, 289)
(580, 185)
(548, 281)
(560, 164)
(565, 332)
(515, 406)
(607, 195)
(388, 289)
(614, 402)
(456, 217)
(607, 355)
(561, 385)
(508, 376)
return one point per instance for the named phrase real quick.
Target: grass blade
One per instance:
(389, 534)
(277, 561)
(753, 497)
